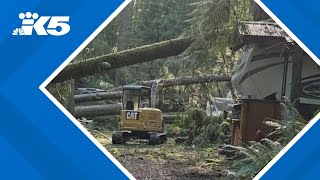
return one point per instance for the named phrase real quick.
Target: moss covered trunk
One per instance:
(124, 58)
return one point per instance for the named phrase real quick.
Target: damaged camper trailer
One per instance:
(266, 72)
(259, 74)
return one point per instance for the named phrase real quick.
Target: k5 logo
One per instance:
(57, 26)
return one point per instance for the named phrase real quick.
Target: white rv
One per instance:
(259, 75)
(264, 69)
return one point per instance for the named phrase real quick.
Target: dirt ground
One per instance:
(167, 161)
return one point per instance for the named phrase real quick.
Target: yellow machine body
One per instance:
(143, 119)
(138, 119)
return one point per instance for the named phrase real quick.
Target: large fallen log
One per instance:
(97, 110)
(106, 110)
(124, 58)
(97, 96)
(186, 80)
(116, 93)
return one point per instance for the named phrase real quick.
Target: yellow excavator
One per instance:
(138, 120)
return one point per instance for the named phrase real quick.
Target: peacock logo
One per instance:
(32, 22)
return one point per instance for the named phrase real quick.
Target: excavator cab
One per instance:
(134, 97)
(138, 119)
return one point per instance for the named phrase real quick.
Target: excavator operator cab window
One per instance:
(145, 98)
(134, 98)
(130, 99)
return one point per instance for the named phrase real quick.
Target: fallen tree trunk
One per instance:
(105, 110)
(186, 80)
(97, 110)
(97, 96)
(124, 58)
(116, 93)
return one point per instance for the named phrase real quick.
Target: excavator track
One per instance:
(117, 138)
(157, 138)
(120, 137)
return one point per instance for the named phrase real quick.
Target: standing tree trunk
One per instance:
(218, 90)
(70, 96)
(124, 27)
(122, 38)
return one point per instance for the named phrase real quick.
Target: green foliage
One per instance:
(155, 21)
(210, 130)
(256, 157)
(291, 124)
(104, 43)
(214, 23)
(63, 93)
(215, 130)
(102, 124)
(316, 112)
(97, 81)
(183, 125)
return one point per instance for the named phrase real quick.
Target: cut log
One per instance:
(97, 110)
(97, 96)
(103, 110)
(124, 58)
